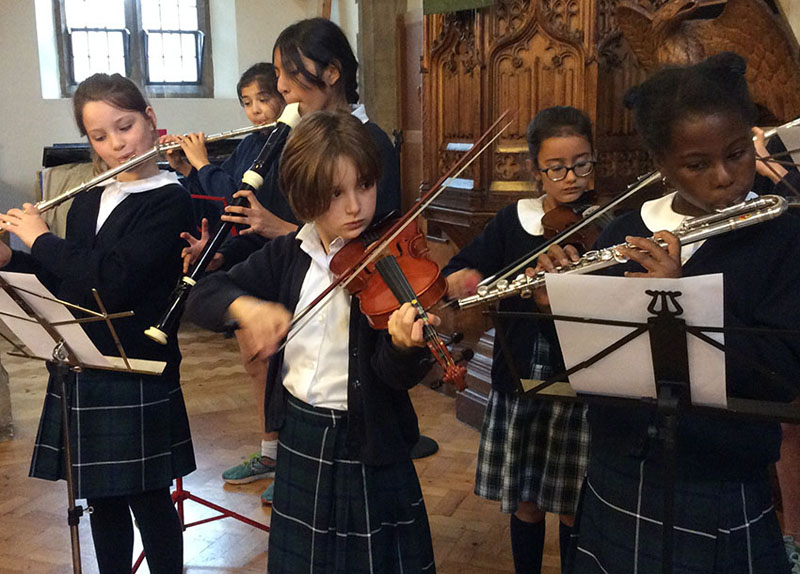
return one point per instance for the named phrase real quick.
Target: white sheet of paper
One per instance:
(628, 371)
(35, 337)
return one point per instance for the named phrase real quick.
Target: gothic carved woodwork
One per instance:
(679, 32)
(530, 54)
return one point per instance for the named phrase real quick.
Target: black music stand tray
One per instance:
(669, 352)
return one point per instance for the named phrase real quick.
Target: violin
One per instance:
(564, 216)
(403, 274)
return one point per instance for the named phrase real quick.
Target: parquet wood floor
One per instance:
(470, 535)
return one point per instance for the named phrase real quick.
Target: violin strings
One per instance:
(399, 285)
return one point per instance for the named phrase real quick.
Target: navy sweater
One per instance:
(238, 248)
(502, 242)
(760, 290)
(382, 424)
(133, 262)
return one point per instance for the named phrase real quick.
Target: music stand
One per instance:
(671, 373)
(50, 333)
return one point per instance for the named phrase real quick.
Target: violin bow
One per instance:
(525, 260)
(302, 318)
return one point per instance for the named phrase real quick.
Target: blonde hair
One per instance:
(309, 161)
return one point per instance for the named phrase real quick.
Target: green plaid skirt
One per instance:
(333, 515)
(532, 450)
(129, 434)
(719, 527)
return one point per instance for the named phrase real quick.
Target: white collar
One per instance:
(311, 243)
(530, 212)
(658, 214)
(161, 179)
(359, 111)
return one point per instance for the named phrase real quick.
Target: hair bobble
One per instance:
(633, 97)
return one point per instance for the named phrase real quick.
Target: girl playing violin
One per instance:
(131, 434)
(696, 122)
(347, 498)
(533, 453)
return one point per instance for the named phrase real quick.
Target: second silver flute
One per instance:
(48, 204)
(692, 230)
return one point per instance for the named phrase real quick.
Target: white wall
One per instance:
(243, 32)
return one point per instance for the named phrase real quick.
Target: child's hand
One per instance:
(259, 219)
(463, 283)
(194, 147)
(657, 261)
(262, 325)
(25, 223)
(406, 329)
(5, 254)
(192, 253)
(774, 171)
(176, 158)
(556, 257)
(549, 262)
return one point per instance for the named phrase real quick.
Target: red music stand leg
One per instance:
(179, 495)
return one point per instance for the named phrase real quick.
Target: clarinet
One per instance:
(252, 179)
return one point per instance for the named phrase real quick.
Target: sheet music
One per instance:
(628, 371)
(34, 335)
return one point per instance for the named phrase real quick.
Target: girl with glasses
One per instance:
(533, 453)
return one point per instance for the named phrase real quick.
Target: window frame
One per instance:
(136, 54)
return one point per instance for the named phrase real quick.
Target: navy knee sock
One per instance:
(527, 545)
(564, 539)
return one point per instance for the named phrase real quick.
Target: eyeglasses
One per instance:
(559, 172)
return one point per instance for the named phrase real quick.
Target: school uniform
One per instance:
(347, 498)
(130, 433)
(225, 179)
(531, 450)
(724, 519)
(237, 248)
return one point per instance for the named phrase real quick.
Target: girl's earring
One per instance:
(665, 183)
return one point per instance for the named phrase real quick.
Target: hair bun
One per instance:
(726, 62)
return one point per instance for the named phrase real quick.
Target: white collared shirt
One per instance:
(658, 215)
(315, 362)
(115, 192)
(530, 212)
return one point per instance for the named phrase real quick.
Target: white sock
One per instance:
(269, 448)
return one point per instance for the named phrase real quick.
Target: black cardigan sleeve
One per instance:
(120, 273)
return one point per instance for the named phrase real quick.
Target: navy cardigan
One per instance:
(236, 249)
(133, 262)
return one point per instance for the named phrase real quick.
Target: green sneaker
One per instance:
(248, 471)
(266, 496)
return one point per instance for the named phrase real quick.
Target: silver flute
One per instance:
(48, 204)
(695, 229)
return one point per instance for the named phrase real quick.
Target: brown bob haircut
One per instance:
(309, 160)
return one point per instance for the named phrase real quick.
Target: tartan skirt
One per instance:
(719, 527)
(129, 433)
(335, 515)
(532, 451)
